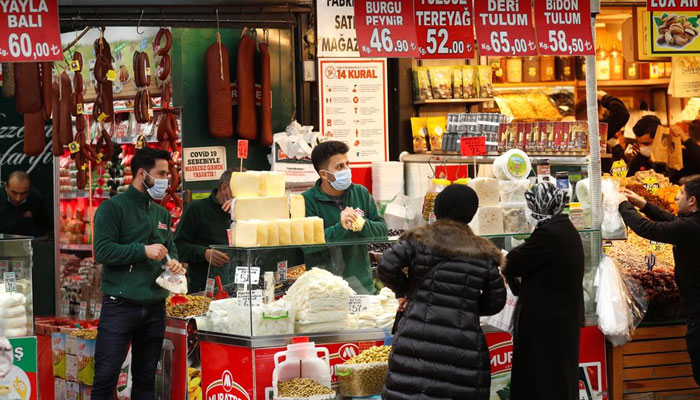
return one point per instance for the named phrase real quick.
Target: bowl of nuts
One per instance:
(676, 31)
(364, 374)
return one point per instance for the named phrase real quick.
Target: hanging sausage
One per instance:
(220, 105)
(266, 101)
(28, 79)
(247, 124)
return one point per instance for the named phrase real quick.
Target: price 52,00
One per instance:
(558, 42)
(501, 44)
(432, 36)
(21, 45)
(381, 41)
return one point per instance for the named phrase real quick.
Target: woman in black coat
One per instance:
(452, 277)
(550, 311)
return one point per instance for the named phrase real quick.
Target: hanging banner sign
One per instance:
(386, 28)
(444, 29)
(504, 28)
(674, 33)
(335, 20)
(564, 27)
(672, 5)
(29, 31)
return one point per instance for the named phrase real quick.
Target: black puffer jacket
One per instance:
(439, 350)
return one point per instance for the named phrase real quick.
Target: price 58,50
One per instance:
(433, 35)
(21, 46)
(501, 44)
(558, 42)
(382, 42)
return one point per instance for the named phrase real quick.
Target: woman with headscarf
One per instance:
(447, 277)
(549, 312)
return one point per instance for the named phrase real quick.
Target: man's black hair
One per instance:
(694, 130)
(146, 158)
(325, 150)
(692, 187)
(646, 126)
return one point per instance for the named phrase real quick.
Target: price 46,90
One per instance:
(382, 42)
(432, 36)
(21, 45)
(558, 42)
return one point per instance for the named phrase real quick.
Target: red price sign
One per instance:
(385, 28)
(473, 146)
(504, 28)
(564, 27)
(29, 31)
(444, 28)
(242, 149)
(672, 5)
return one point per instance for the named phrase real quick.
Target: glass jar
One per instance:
(617, 64)
(564, 68)
(531, 69)
(581, 68)
(602, 64)
(654, 71)
(547, 69)
(498, 65)
(514, 70)
(668, 68)
(644, 70)
(631, 70)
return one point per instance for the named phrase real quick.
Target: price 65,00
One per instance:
(21, 45)
(558, 42)
(501, 44)
(382, 42)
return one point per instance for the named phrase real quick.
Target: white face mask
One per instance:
(530, 217)
(157, 191)
(645, 151)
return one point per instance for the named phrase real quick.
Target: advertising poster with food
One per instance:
(21, 382)
(674, 32)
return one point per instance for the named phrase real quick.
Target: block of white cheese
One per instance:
(245, 234)
(297, 206)
(245, 184)
(273, 238)
(319, 230)
(262, 208)
(358, 224)
(298, 231)
(272, 183)
(284, 229)
(309, 236)
(262, 233)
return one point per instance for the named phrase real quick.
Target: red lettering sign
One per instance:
(242, 149)
(564, 27)
(385, 28)
(504, 28)
(473, 146)
(672, 5)
(444, 29)
(29, 31)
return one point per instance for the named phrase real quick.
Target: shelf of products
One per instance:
(527, 85)
(452, 101)
(554, 159)
(76, 247)
(629, 83)
(81, 195)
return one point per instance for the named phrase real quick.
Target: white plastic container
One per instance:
(512, 165)
(514, 219)
(301, 360)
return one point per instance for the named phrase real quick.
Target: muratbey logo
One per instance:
(226, 388)
(348, 351)
(501, 357)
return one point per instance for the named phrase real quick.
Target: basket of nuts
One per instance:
(303, 389)
(364, 374)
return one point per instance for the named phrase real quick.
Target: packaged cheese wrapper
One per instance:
(485, 84)
(436, 128)
(273, 238)
(284, 227)
(425, 92)
(272, 183)
(319, 230)
(470, 87)
(441, 82)
(419, 128)
(297, 231)
(457, 82)
(297, 206)
(245, 184)
(309, 234)
(359, 223)
(262, 233)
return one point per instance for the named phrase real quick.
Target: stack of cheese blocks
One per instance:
(264, 216)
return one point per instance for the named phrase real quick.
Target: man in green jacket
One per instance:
(339, 202)
(133, 240)
(204, 223)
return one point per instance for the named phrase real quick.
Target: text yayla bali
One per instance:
(23, 13)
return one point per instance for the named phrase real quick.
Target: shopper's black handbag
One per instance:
(399, 314)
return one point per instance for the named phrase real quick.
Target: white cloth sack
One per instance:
(504, 320)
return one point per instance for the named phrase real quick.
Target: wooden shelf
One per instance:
(527, 85)
(452, 101)
(630, 83)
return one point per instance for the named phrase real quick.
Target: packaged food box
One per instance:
(58, 348)
(86, 361)
(361, 379)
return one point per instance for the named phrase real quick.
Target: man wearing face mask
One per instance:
(21, 209)
(638, 155)
(343, 205)
(134, 242)
(204, 223)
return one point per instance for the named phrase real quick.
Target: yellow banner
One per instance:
(674, 32)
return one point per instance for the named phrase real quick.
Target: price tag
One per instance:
(75, 65)
(564, 27)
(10, 282)
(246, 298)
(101, 117)
(93, 308)
(504, 28)
(385, 28)
(607, 245)
(473, 146)
(358, 304)
(242, 149)
(29, 31)
(282, 270)
(672, 5)
(79, 109)
(140, 142)
(244, 276)
(444, 29)
(209, 288)
(148, 71)
(651, 184)
(74, 147)
(98, 311)
(657, 247)
(82, 311)
(111, 75)
(619, 169)
(65, 308)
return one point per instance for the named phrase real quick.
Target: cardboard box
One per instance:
(72, 391)
(86, 361)
(58, 350)
(59, 389)
(71, 368)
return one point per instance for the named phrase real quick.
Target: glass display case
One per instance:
(16, 299)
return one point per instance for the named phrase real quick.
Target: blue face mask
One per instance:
(157, 191)
(343, 179)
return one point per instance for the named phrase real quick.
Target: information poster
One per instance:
(685, 77)
(385, 28)
(353, 106)
(29, 31)
(21, 381)
(335, 28)
(444, 29)
(203, 163)
(564, 27)
(674, 33)
(504, 28)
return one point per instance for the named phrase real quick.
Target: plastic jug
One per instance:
(301, 360)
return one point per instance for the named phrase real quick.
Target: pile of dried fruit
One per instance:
(650, 198)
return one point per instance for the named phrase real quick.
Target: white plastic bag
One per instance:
(622, 303)
(176, 284)
(504, 319)
(613, 227)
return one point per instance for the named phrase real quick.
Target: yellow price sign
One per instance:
(619, 169)
(651, 184)
(74, 65)
(111, 75)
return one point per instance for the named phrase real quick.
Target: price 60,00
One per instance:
(558, 42)
(382, 42)
(501, 44)
(21, 45)
(432, 36)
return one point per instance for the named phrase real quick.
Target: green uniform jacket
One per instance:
(124, 225)
(351, 262)
(203, 224)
